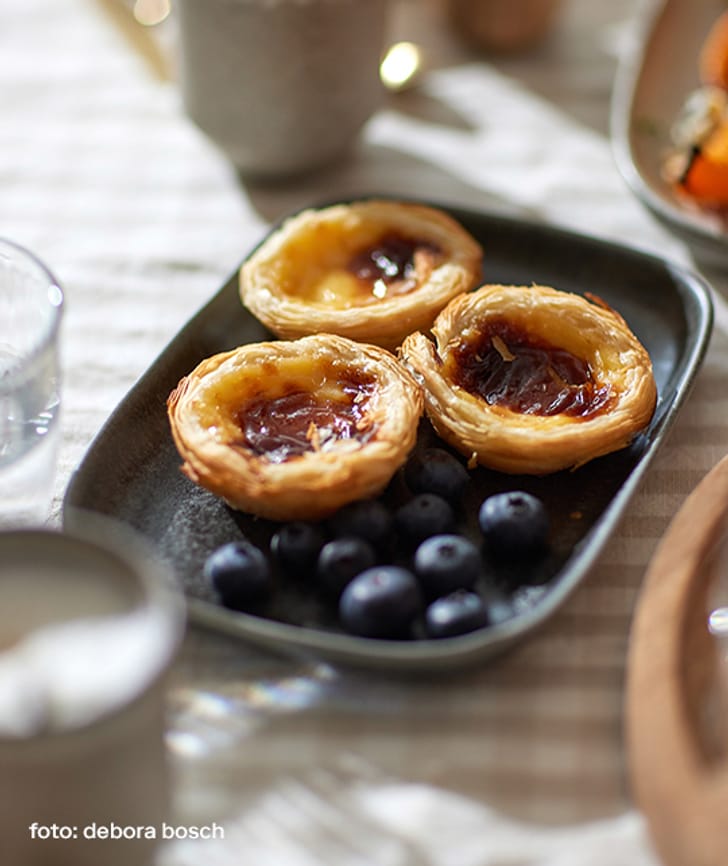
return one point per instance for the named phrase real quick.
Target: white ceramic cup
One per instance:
(281, 86)
(88, 627)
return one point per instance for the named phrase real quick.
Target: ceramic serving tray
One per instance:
(651, 86)
(132, 470)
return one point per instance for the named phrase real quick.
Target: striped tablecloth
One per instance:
(102, 175)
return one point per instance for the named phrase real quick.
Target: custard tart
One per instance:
(528, 379)
(295, 429)
(373, 271)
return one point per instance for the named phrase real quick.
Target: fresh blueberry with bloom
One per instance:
(435, 470)
(422, 516)
(444, 563)
(240, 574)
(296, 546)
(341, 560)
(515, 525)
(369, 519)
(459, 612)
(381, 602)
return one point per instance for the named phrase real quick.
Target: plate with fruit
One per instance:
(670, 121)
(416, 505)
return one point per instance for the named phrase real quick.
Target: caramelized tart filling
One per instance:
(300, 421)
(392, 265)
(506, 366)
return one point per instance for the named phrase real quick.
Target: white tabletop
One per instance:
(519, 761)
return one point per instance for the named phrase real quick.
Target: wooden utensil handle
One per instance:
(678, 766)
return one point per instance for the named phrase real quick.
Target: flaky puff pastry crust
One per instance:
(299, 280)
(204, 416)
(514, 441)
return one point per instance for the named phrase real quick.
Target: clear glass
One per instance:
(31, 304)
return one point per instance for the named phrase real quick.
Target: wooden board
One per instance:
(676, 707)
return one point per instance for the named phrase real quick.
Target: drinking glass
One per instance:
(31, 303)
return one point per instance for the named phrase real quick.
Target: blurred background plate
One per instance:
(652, 83)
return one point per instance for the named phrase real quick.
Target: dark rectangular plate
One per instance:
(131, 471)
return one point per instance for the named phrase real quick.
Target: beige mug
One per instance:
(281, 86)
(503, 25)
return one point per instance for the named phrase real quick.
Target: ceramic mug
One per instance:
(281, 86)
(503, 25)
(88, 627)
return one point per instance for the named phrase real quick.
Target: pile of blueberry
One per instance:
(394, 573)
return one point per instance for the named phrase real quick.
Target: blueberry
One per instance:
(369, 519)
(444, 563)
(240, 574)
(381, 602)
(460, 612)
(435, 470)
(515, 525)
(342, 559)
(424, 515)
(296, 546)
